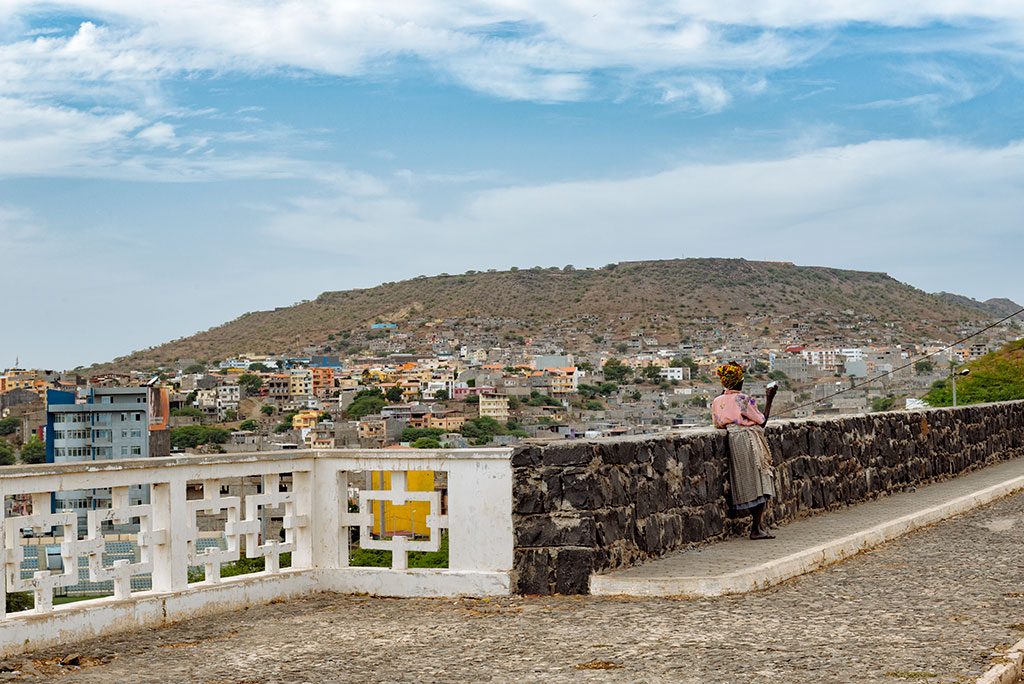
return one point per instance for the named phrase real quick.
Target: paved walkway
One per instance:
(740, 565)
(928, 607)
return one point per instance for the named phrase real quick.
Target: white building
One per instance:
(672, 373)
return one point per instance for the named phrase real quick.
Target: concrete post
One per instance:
(170, 558)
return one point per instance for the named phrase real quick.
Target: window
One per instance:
(137, 434)
(58, 418)
(124, 417)
(136, 451)
(138, 417)
(124, 451)
(124, 434)
(58, 452)
(58, 434)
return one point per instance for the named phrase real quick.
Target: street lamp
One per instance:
(952, 374)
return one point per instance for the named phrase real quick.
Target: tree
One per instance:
(481, 430)
(924, 366)
(394, 394)
(259, 367)
(651, 373)
(33, 451)
(412, 434)
(616, 371)
(189, 436)
(250, 382)
(230, 415)
(195, 368)
(366, 402)
(6, 453)
(190, 411)
(538, 399)
(882, 403)
(267, 410)
(441, 395)
(8, 426)
(249, 425)
(426, 443)
(593, 405)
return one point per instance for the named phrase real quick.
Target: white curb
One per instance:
(1007, 672)
(781, 569)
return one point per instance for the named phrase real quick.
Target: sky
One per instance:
(168, 166)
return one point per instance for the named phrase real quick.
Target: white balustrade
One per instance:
(314, 517)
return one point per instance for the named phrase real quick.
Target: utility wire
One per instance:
(857, 385)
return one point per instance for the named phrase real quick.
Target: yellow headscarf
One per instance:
(731, 375)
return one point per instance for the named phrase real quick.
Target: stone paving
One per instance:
(715, 560)
(930, 607)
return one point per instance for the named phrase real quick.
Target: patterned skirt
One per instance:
(751, 474)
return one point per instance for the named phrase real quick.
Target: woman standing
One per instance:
(751, 475)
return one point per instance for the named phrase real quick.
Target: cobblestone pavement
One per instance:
(930, 607)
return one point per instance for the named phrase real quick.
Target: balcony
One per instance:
(319, 515)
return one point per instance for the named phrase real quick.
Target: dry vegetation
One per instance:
(680, 291)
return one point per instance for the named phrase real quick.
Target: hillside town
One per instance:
(469, 390)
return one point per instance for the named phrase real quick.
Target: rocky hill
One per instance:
(997, 307)
(670, 300)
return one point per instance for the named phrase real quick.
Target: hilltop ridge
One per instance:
(671, 300)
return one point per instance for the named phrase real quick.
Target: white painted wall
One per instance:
(317, 522)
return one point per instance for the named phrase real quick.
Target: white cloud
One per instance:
(705, 94)
(901, 206)
(160, 134)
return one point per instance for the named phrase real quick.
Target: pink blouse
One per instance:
(734, 407)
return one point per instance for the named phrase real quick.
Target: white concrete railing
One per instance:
(316, 523)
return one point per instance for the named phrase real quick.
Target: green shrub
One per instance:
(377, 558)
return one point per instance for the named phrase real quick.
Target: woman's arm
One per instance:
(769, 398)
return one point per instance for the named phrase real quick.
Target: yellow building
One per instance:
(305, 419)
(448, 421)
(495, 407)
(300, 383)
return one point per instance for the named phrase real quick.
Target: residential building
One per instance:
(673, 373)
(227, 399)
(322, 381)
(300, 384)
(494, 406)
(277, 386)
(446, 420)
(113, 423)
(563, 380)
(304, 420)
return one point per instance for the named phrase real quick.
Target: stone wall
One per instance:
(585, 506)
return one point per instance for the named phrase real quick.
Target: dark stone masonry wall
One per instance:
(586, 506)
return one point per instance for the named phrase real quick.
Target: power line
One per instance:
(857, 385)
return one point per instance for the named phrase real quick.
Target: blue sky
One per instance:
(165, 167)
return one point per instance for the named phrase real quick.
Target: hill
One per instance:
(998, 376)
(997, 307)
(671, 300)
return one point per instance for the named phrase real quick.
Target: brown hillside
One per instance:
(669, 297)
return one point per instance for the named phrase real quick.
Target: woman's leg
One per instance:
(757, 530)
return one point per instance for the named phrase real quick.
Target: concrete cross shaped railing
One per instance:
(316, 522)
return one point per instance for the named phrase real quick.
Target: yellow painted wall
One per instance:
(411, 516)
